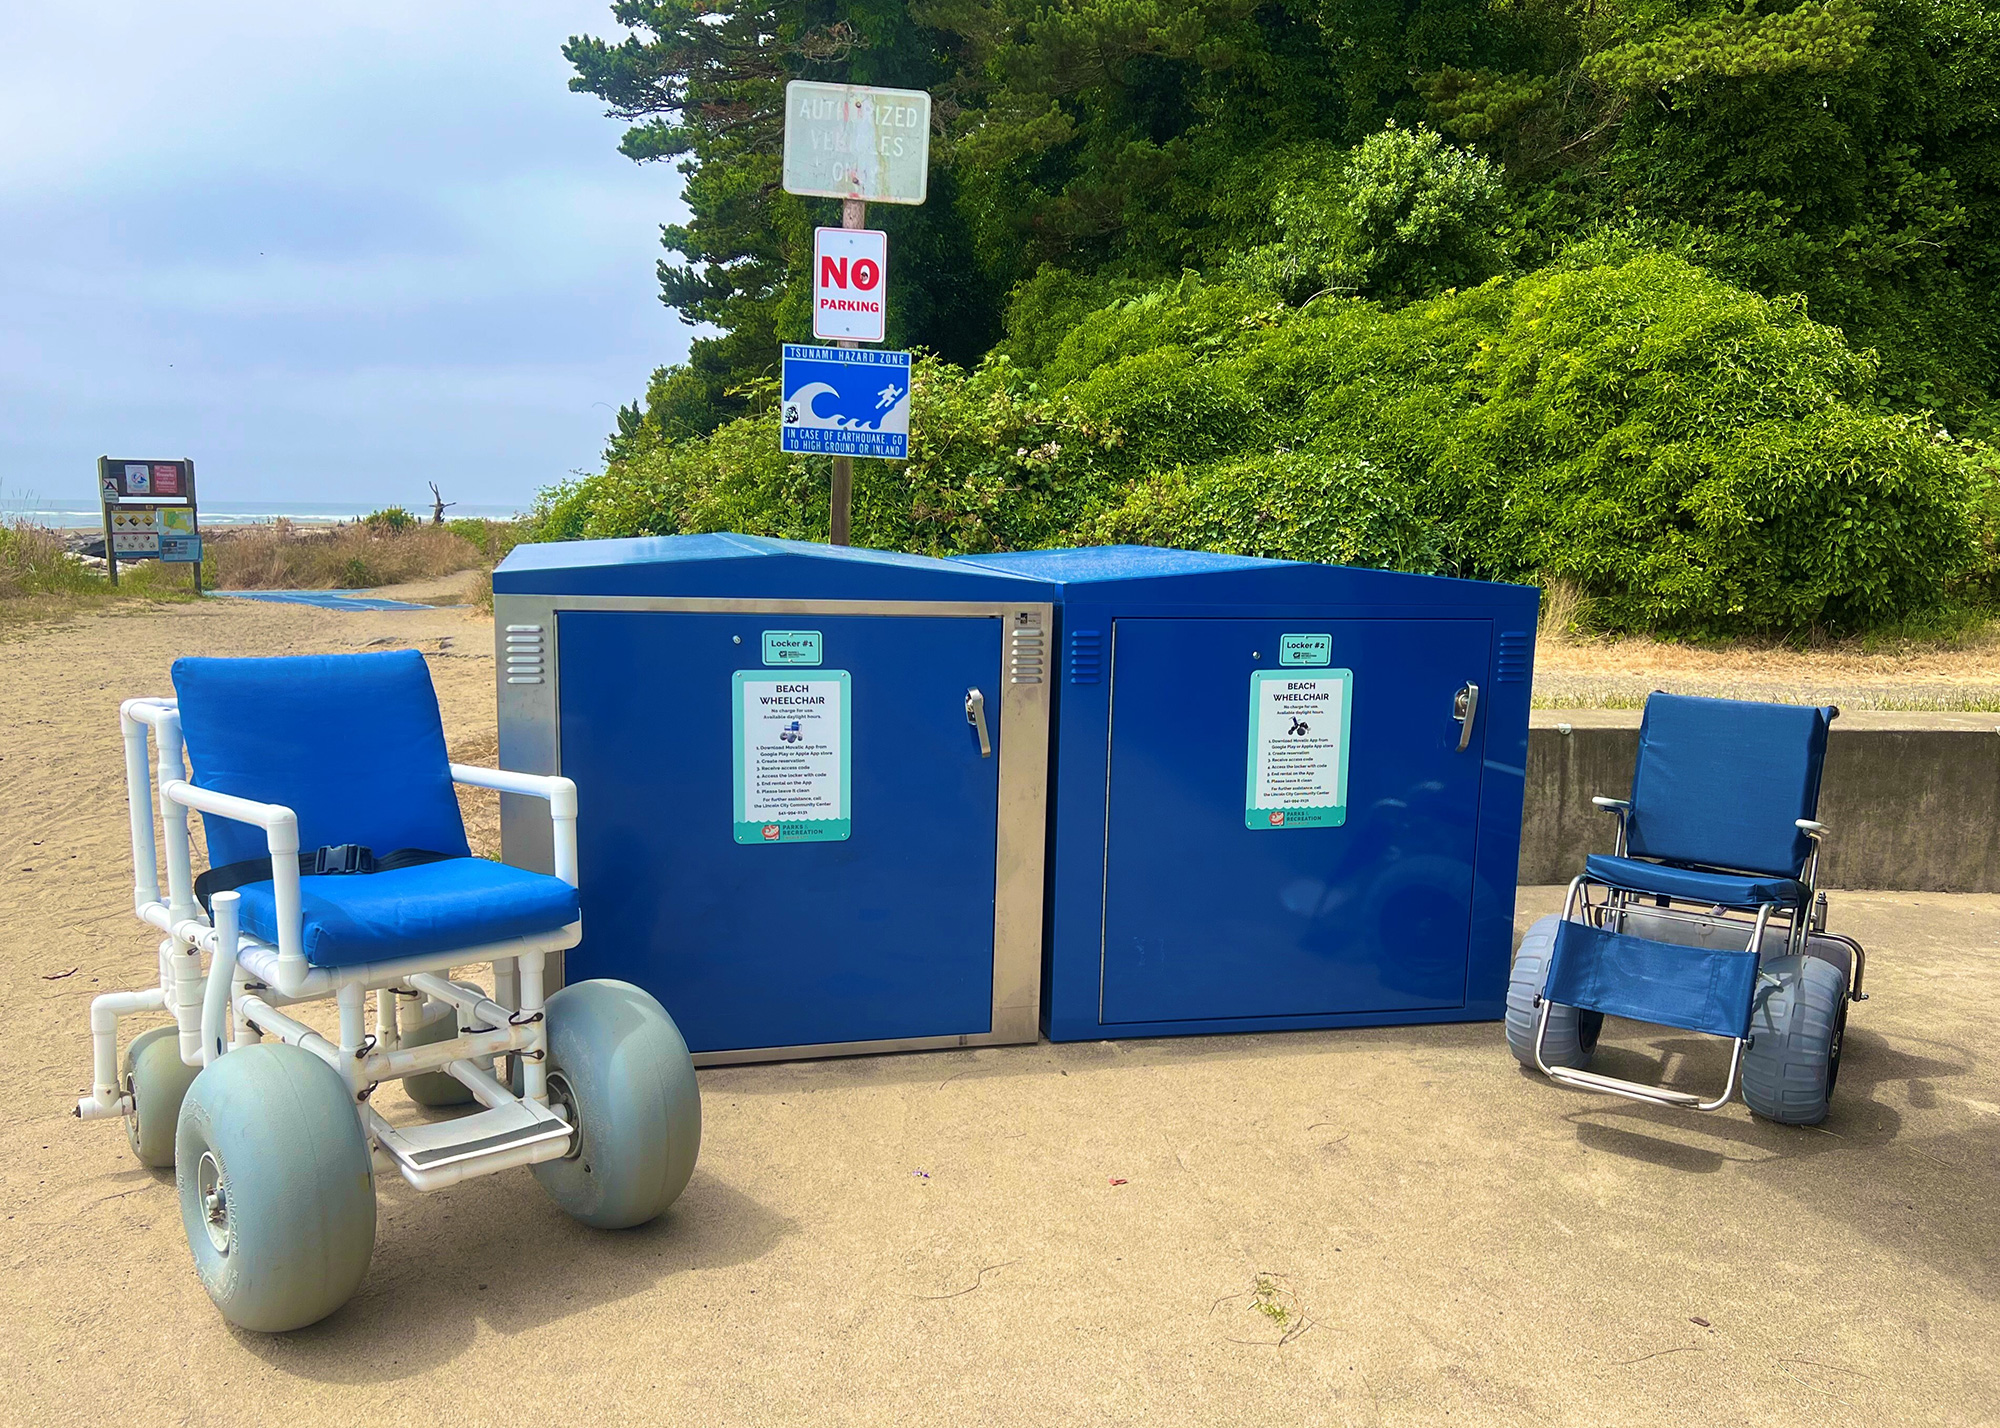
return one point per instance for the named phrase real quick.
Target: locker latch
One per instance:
(1465, 709)
(975, 715)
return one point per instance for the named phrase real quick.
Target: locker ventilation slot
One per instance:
(523, 654)
(1513, 663)
(1025, 655)
(1086, 659)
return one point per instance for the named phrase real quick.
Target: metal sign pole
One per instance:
(194, 519)
(110, 555)
(853, 214)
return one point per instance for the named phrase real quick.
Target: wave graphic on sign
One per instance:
(861, 410)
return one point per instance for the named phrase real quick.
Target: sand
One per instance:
(1376, 1227)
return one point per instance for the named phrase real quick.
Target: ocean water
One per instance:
(73, 513)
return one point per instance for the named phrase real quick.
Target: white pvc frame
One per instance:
(240, 998)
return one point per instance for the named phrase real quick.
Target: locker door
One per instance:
(1208, 917)
(882, 934)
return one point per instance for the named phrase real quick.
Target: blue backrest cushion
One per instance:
(351, 743)
(1720, 782)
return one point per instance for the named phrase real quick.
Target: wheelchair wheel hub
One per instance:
(214, 1201)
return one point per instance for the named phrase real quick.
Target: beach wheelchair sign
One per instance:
(840, 401)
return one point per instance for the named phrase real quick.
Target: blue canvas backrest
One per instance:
(1720, 782)
(351, 743)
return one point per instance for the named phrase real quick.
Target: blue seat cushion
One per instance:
(351, 743)
(415, 912)
(1694, 884)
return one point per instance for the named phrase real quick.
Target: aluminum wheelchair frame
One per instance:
(238, 1000)
(1621, 906)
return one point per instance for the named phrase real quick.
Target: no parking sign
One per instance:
(850, 284)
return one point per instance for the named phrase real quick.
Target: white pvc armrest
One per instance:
(1620, 805)
(278, 821)
(1809, 825)
(560, 792)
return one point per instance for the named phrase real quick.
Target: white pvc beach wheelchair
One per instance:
(266, 1121)
(1708, 916)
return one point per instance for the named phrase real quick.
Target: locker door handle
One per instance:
(975, 715)
(1465, 709)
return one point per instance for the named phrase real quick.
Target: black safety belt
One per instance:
(336, 859)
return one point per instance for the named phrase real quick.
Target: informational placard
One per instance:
(791, 647)
(135, 531)
(850, 284)
(1298, 749)
(853, 141)
(180, 540)
(793, 737)
(838, 401)
(119, 479)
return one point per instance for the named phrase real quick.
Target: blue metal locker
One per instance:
(1285, 795)
(811, 783)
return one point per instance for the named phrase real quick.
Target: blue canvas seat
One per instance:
(354, 745)
(1700, 885)
(1717, 792)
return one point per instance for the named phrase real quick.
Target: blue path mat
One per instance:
(324, 599)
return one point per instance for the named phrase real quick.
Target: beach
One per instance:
(1389, 1226)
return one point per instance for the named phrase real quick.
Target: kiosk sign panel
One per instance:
(853, 141)
(1298, 749)
(840, 401)
(149, 512)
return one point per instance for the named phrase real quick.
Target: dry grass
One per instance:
(40, 579)
(282, 556)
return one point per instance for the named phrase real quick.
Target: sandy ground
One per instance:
(1375, 1227)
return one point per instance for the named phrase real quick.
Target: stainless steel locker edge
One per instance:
(528, 660)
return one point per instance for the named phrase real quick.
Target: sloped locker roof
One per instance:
(1194, 576)
(724, 566)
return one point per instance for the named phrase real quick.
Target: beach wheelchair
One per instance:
(1707, 917)
(339, 866)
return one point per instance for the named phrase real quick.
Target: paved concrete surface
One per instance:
(1374, 1227)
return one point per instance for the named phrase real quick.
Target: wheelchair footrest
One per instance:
(474, 1137)
(1594, 1081)
(1695, 988)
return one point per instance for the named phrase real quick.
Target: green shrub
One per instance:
(390, 519)
(1690, 457)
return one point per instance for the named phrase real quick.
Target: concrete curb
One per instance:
(1913, 801)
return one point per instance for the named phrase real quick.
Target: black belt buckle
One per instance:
(344, 858)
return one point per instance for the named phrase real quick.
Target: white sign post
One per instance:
(860, 145)
(850, 284)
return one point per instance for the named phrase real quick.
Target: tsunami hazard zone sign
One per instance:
(844, 401)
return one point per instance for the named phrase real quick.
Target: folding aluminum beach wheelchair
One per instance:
(266, 1121)
(1707, 918)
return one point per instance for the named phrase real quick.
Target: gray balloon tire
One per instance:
(158, 1080)
(1572, 1034)
(1796, 1029)
(281, 1132)
(628, 1079)
(434, 1088)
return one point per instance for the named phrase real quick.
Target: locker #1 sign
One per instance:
(1298, 749)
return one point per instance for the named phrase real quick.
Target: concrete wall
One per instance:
(1913, 801)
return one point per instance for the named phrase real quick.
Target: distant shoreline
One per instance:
(74, 516)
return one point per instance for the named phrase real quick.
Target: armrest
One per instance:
(1811, 827)
(279, 823)
(558, 792)
(281, 836)
(1612, 805)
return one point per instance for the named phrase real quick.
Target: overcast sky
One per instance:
(328, 251)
